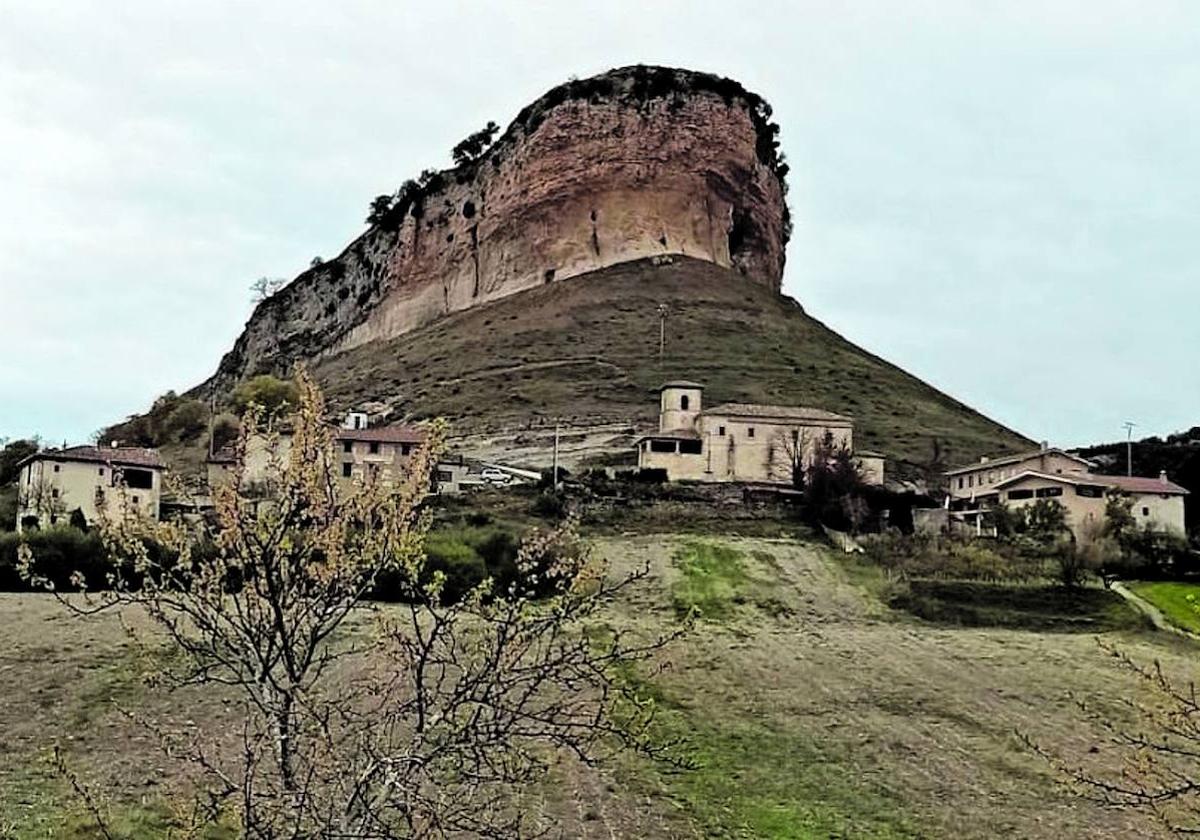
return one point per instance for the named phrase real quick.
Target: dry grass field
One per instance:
(809, 710)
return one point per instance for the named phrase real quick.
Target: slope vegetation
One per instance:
(585, 351)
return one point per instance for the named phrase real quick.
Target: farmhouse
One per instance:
(741, 441)
(1049, 473)
(1157, 502)
(368, 454)
(55, 483)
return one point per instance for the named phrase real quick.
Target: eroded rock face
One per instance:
(635, 163)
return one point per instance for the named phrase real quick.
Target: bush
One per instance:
(186, 421)
(60, 552)
(467, 556)
(550, 505)
(225, 431)
(649, 475)
(8, 508)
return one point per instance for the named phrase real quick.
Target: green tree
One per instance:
(12, 454)
(380, 205)
(270, 393)
(1045, 521)
(186, 421)
(473, 147)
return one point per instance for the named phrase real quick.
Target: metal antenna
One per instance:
(1129, 424)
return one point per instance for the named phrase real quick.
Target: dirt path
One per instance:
(1160, 621)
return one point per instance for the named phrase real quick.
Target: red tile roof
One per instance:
(125, 456)
(1127, 484)
(384, 434)
(1139, 484)
(785, 412)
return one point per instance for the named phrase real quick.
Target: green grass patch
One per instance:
(36, 804)
(715, 582)
(1179, 602)
(751, 778)
(1037, 607)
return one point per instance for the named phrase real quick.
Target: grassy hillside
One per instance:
(586, 350)
(807, 709)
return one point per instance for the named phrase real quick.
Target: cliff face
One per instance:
(635, 163)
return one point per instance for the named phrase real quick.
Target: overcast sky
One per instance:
(1001, 197)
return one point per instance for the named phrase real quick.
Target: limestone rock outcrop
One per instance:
(636, 162)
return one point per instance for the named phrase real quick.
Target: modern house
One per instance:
(741, 441)
(975, 484)
(1049, 473)
(1157, 502)
(56, 482)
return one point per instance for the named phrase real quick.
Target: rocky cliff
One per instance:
(635, 163)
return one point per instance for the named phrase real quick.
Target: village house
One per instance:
(742, 441)
(1050, 473)
(56, 482)
(368, 454)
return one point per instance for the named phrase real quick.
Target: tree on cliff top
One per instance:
(471, 149)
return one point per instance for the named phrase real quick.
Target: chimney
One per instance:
(1162, 476)
(983, 459)
(1045, 445)
(114, 444)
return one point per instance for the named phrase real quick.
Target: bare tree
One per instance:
(426, 725)
(40, 498)
(789, 452)
(1158, 757)
(265, 287)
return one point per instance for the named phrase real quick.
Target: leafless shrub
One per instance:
(431, 721)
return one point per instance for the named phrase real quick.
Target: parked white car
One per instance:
(492, 475)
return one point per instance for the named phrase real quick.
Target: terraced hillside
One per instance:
(585, 351)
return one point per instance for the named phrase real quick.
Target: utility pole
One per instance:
(1129, 446)
(663, 310)
(555, 473)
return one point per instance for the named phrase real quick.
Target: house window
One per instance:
(346, 470)
(720, 431)
(135, 500)
(54, 492)
(139, 479)
(690, 447)
(405, 448)
(750, 432)
(991, 477)
(1089, 492)
(1145, 511)
(56, 467)
(347, 446)
(960, 482)
(445, 476)
(662, 446)
(1014, 495)
(970, 481)
(1048, 492)
(374, 447)
(684, 402)
(102, 471)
